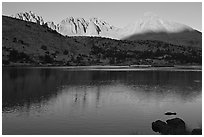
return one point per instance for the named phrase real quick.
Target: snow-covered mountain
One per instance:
(74, 26)
(154, 24)
(151, 25)
(29, 16)
(85, 27)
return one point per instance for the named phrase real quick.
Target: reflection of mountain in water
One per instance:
(23, 87)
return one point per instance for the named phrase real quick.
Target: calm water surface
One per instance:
(59, 101)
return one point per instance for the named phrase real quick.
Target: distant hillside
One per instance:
(149, 27)
(28, 43)
(186, 38)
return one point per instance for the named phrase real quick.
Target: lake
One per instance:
(62, 101)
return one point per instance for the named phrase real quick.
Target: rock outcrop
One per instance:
(175, 126)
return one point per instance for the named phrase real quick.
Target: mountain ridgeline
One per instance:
(71, 26)
(34, 42)
(149, 27)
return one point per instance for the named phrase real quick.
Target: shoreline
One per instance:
(118, 68)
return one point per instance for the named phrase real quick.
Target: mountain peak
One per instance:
(151, 22)
(29, 16)
(98, 21)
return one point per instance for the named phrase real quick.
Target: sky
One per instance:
(118, 14)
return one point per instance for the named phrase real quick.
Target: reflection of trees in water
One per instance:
(82, 96)
(29, 86)
(98, 93)
(22, 87)
(85, 93)
(76, 97)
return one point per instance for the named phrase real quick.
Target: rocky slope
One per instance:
(34, 44)
(150, 27)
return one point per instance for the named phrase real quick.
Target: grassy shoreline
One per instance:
(122, 68)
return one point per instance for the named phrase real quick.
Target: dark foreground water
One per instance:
(58, 101)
